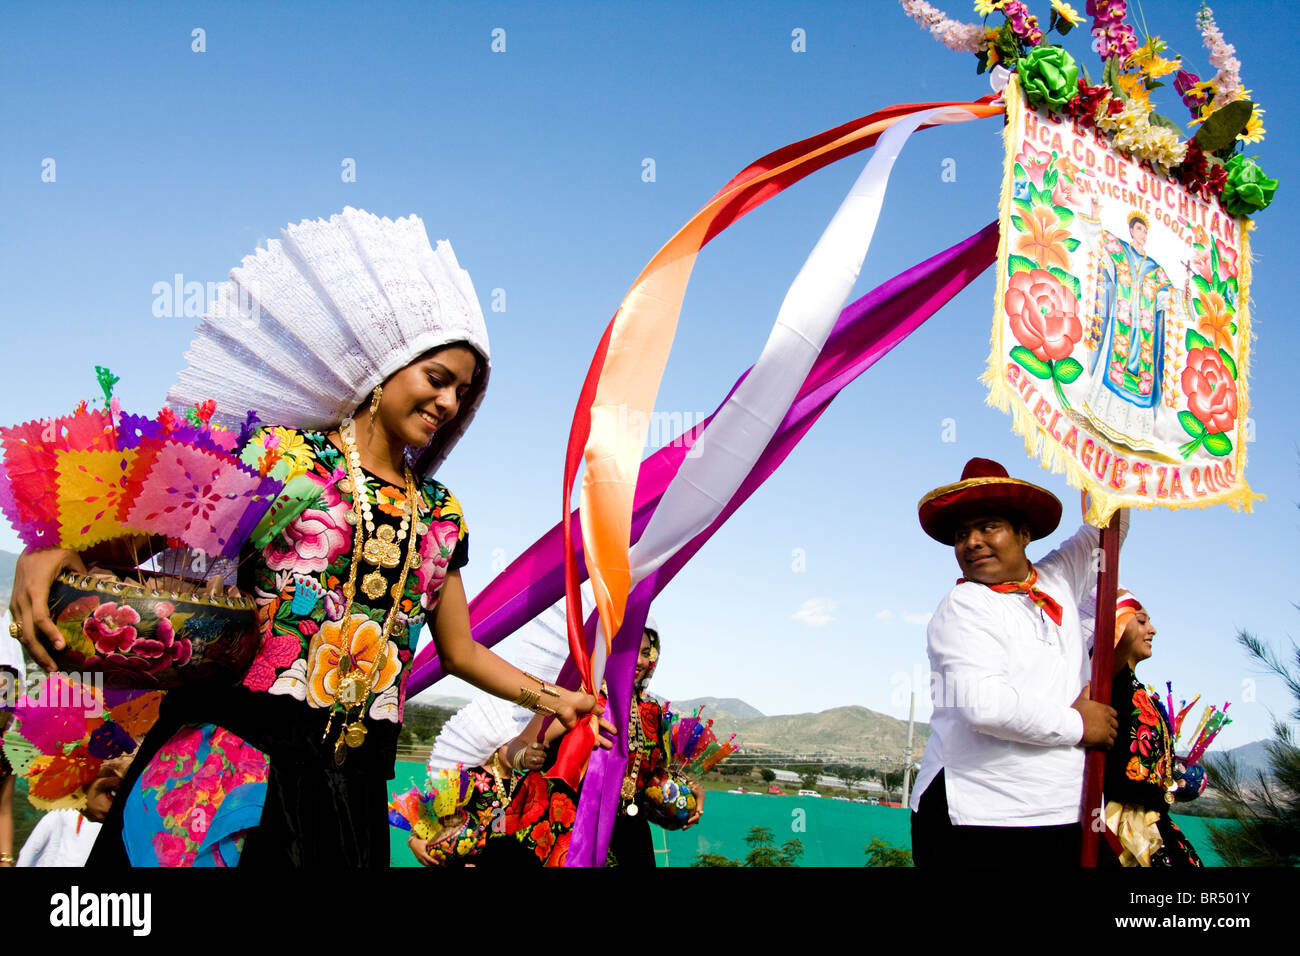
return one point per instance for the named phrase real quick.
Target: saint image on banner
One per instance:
(1133, 299)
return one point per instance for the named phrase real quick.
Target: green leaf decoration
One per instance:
(1067, 370)
(1214, 257)
(1108, 77)
(1221, 129)
(1218, 444)
(1065, 215)
(1070, 244)
(982, 62)
(1019, 171)
(1024, 205)
(1018, 223)
(1067, 280)
(1031, 362)
(1020, 264)
(1233, 326)
(1191, 424)
(1155, 119)
(1228, 363)
(1050, 179)
(1200, 283)
(1195, 340)
(1230, 285)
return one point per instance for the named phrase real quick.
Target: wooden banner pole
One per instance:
(1103, 660)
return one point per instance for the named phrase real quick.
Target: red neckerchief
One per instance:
(1028, 587)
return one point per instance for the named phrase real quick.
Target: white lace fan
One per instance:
(308, 326)
(486, 722)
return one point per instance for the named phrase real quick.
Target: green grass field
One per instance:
(833, 833)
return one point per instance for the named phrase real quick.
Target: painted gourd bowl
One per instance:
(149, 638)
(667, 799)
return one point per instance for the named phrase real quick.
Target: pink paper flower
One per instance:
(170, 849)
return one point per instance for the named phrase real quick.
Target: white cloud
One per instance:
(922, 619)
(885, 615)
(815, 612)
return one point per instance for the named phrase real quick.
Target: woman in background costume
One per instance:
(1143, 774)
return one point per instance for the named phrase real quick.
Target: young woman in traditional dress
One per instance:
(366, 347)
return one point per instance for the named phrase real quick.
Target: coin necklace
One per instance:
(354, 685)
(634, 740)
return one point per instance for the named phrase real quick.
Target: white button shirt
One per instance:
(1002, 679)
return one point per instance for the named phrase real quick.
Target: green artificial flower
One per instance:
(1048, 75)
(1247, 190)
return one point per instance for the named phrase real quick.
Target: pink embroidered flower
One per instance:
(307, 628)
(276, 651)
(163, 649)
(112, 628)
(164, 608)
(176, 801)
(1043, 314)
(184, 746)
(170, 849)
(197, 822)
(208, 777)
(1210, 389)
(314, 539)
(436, 548)
(1035, 163)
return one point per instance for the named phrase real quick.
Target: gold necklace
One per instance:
(355, 685)
(634, 736)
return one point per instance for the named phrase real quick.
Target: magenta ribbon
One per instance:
(866, 330)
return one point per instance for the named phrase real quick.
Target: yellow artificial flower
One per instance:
(1254, 131)
(1067, 13)
(985, 7)
(1147, 58)
(1135, 89)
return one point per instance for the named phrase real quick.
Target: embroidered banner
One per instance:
(1121, 332)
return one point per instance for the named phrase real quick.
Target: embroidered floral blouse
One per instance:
(305, 559)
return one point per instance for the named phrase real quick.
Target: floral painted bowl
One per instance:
(667, 799)
(146, 638)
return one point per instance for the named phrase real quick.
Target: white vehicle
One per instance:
(809, 793)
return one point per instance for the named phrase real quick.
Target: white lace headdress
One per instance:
(307, 327)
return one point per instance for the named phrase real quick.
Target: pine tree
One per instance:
(1266, 810)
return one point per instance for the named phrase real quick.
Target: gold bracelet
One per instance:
(532, 700)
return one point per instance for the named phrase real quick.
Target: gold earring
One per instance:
(374, 400)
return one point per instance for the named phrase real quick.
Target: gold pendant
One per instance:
(349, 689)
(416, 560)
(383, 548)
(374, 585)
(340, 752)
(421, 529)
(345, 485)
(351, 518)
(631, 810)
(356, 734)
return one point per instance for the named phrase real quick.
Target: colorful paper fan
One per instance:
(62, 737)
(413, 811)
(90, 491)
(451, 791)
(207, 500)
(694, 746)
(31, 468)
(73, 481)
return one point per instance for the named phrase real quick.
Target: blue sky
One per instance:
(170, 161)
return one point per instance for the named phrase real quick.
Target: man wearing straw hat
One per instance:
(1002, 775)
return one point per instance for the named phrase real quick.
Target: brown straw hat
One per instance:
(985, 488)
